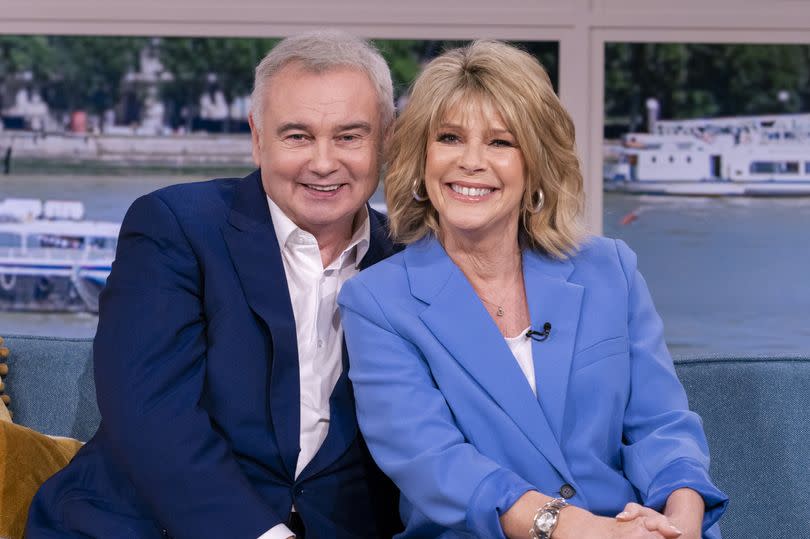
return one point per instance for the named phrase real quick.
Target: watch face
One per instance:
(545, 522)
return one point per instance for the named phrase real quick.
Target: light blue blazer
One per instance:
(449, 416)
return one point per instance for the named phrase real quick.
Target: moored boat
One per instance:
(53, 264)
(749, 156)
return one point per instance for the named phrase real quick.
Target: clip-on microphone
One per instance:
(540, 336)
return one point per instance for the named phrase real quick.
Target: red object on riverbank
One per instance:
(78, 121)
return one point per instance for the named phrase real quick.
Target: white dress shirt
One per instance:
(313, 292)
(521, 347)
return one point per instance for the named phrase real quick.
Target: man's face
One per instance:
(319, 145)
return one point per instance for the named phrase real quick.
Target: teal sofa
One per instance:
(756, 413)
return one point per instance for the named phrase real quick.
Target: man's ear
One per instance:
(256, 140)
(385, 140)
(387, 134)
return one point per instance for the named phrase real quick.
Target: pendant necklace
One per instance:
(499, 311)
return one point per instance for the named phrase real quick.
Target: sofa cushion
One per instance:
(29, 458)
(754, 413)
(4, 414)
(50, 382)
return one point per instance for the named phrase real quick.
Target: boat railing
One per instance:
(55, 254)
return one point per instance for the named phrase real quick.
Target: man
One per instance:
(219, 360)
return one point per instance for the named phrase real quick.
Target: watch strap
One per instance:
(545, 520)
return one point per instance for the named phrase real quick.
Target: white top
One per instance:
(313, 292)
(521, 347)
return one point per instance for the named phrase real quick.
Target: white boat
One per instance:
(53, 264)
(747, 155)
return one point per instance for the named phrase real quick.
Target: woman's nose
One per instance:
(472, 158)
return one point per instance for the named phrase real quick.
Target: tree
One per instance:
(198, 64)
(692, 80)
(88, 71)
(404, 59)
(24, 54)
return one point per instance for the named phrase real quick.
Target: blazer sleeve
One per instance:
(666, 448)
(410, 430)
(149, 357)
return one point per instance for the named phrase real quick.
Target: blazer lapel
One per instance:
(458, 319)
(253, 247)
(380, 245)
(552, 299)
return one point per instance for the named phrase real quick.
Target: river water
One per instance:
(728, 275)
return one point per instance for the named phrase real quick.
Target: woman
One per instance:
(510, 374)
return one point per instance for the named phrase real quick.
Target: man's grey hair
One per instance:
(320, 51)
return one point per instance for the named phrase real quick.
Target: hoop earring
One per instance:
(541, 199)
(415, 192)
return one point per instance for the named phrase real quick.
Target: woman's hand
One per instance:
(651, 520)
(577, 523)
(610, 528)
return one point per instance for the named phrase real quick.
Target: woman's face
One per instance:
(474, 173)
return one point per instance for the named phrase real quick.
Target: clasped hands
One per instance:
(681, 519)
(634, 522)
(640, 521)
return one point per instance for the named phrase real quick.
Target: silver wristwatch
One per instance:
(545, 520)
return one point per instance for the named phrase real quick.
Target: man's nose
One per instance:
(324, 161)
(472, 158)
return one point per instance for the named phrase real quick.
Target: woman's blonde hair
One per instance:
(518, 87)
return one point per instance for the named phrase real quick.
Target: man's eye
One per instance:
(349, 138)
(296, 137)
(447, 138)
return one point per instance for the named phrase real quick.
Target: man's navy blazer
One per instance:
(196, 370)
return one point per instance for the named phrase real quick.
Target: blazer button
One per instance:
(567, 491)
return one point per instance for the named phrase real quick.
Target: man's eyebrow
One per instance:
(291, 126)
(361, 126)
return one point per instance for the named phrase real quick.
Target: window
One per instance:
(763, 167)
(774, 167)
(789, 167)
(716, 266)
(165, 90)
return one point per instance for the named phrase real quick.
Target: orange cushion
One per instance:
(28, 459)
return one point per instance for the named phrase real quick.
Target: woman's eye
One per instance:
(502, 143)
(447, 138)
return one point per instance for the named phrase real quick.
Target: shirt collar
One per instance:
(286, 230)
